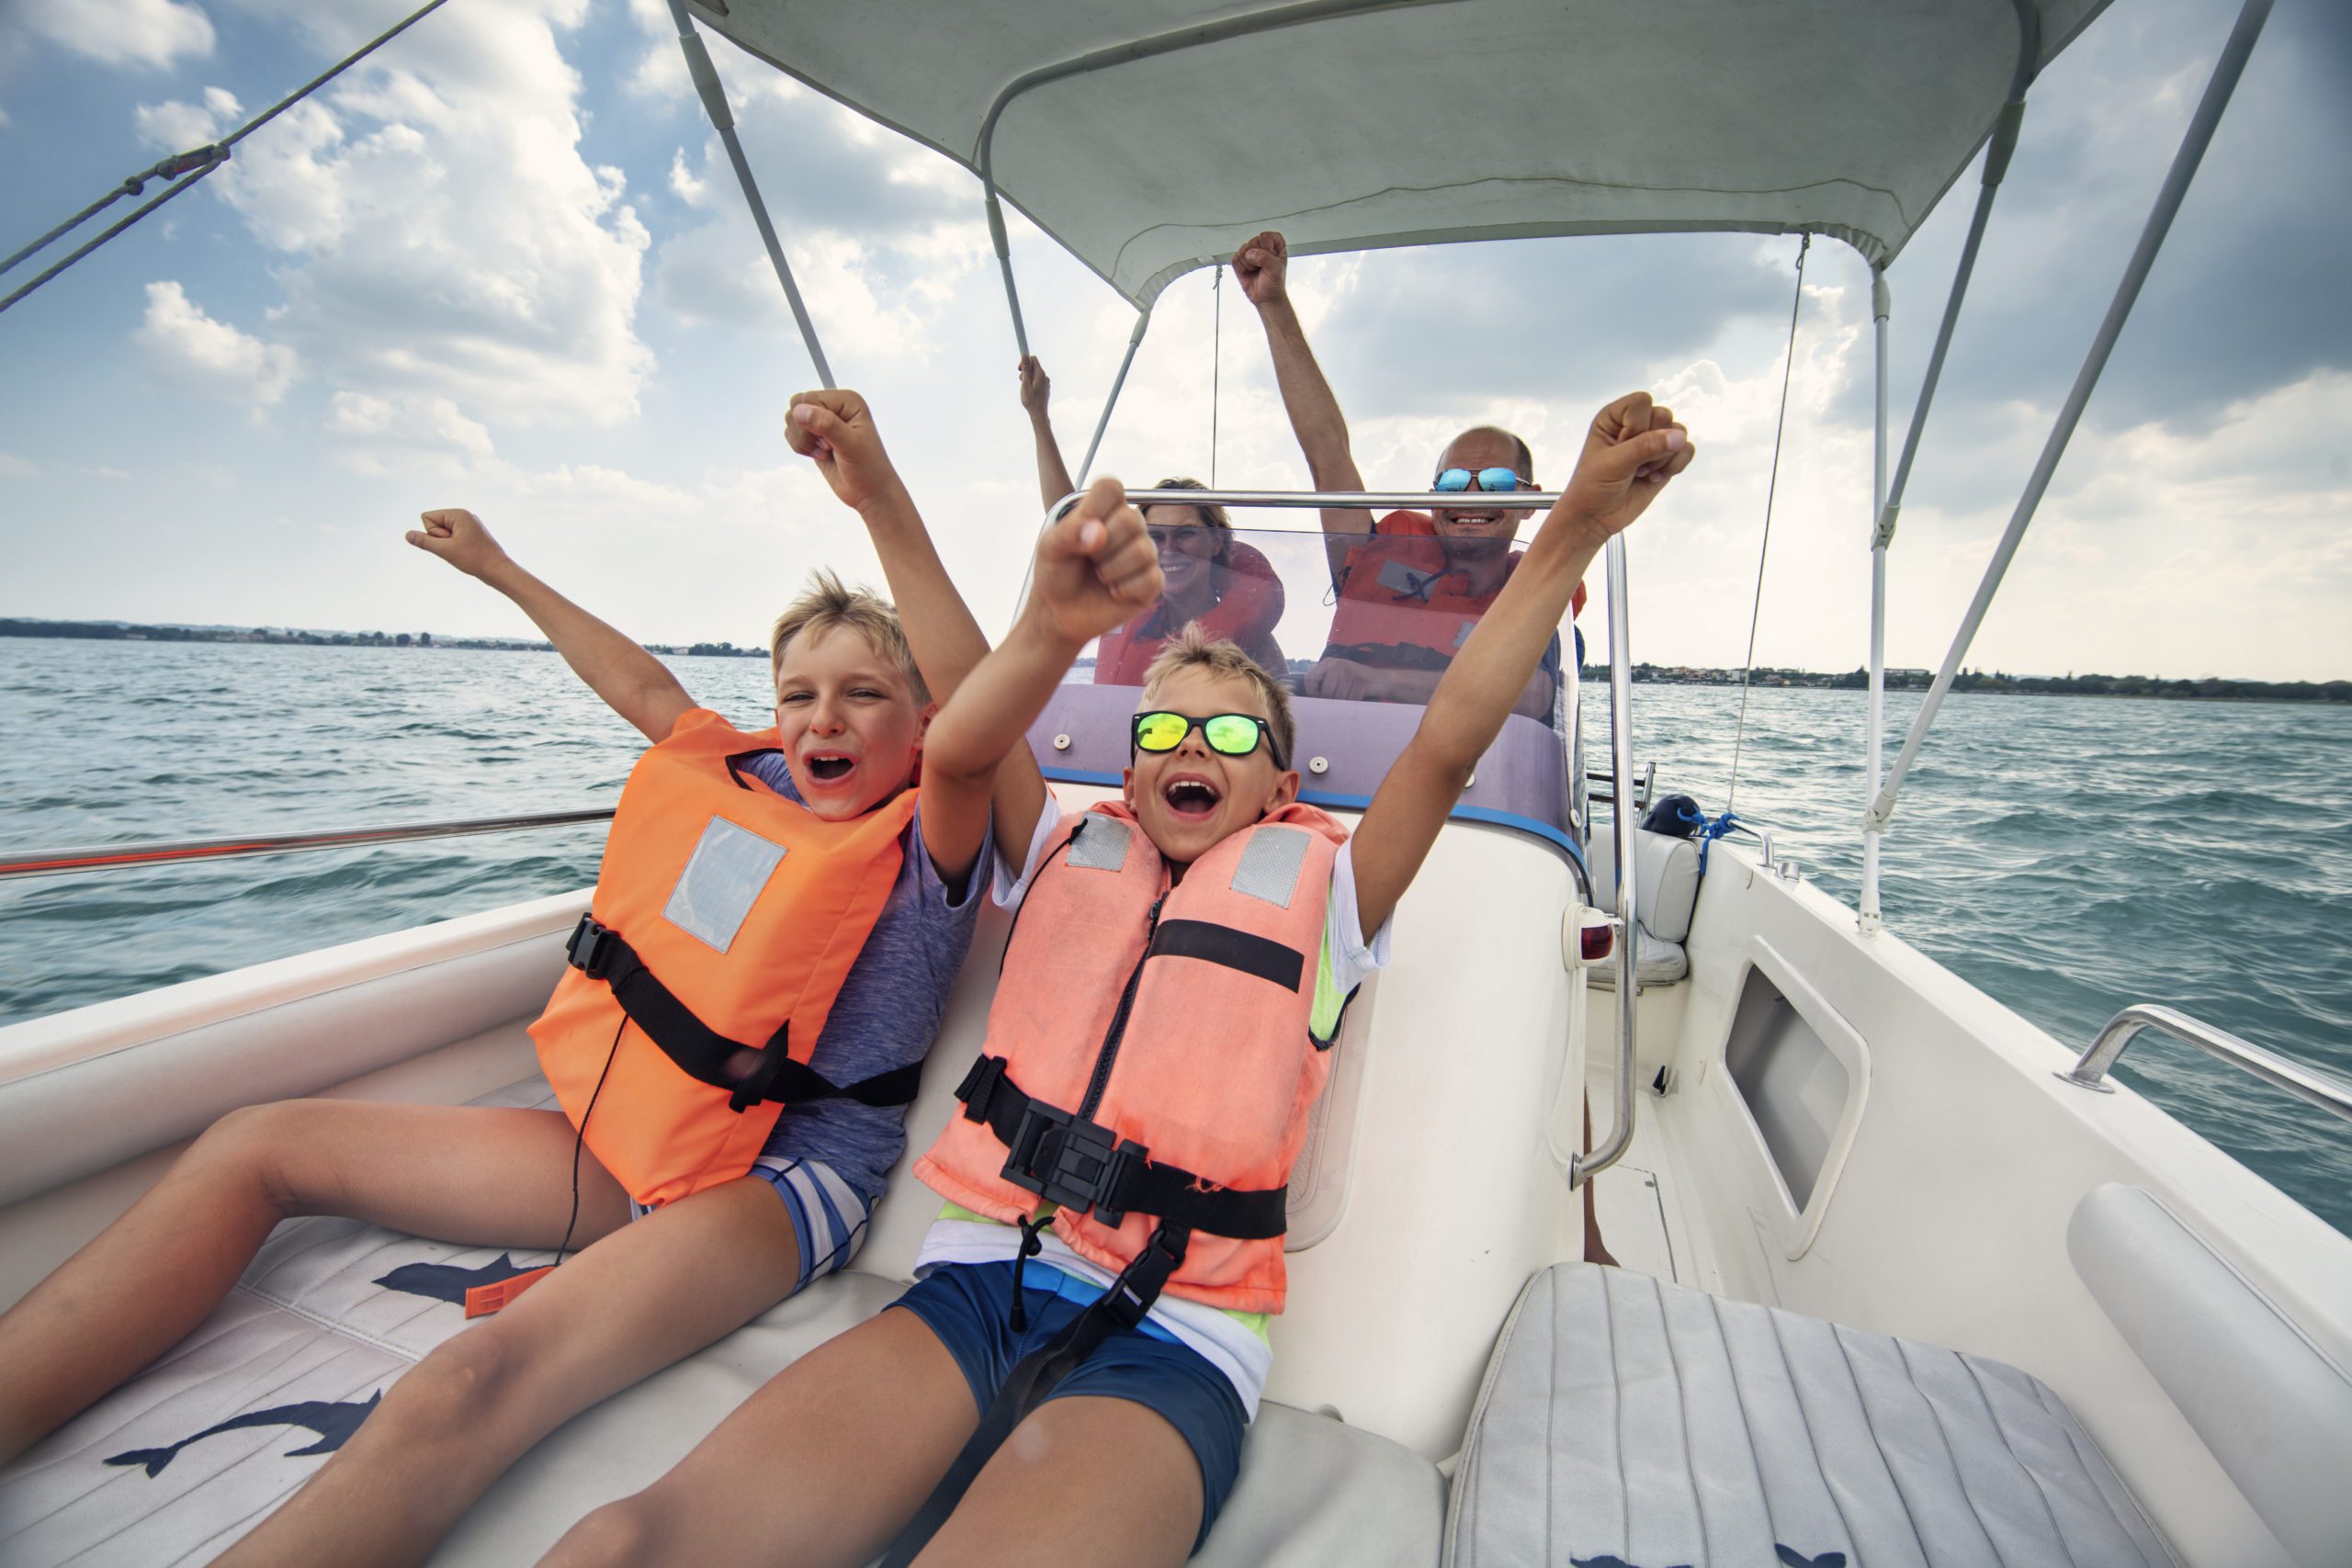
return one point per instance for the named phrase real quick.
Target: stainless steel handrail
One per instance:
(116, 857)
(2322, 1089)
(1319, 500)
(1611, 1149)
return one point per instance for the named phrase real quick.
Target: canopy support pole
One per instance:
(1882, 307)
(1118, 382)
(2227, 68)
(722, 119)
(1003, 243)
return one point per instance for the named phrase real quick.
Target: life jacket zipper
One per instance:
(1110, 1051)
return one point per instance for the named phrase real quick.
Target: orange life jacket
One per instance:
(1401, 606)
(1249, 600)
(726, 917)
(1148, 1058)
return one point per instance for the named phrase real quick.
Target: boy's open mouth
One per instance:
(830, 767)
(1188, 795)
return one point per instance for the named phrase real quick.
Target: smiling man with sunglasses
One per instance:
(1410, 587)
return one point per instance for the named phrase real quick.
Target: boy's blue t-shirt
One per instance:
(889, 1008)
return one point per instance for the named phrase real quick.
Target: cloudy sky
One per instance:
(503, 266)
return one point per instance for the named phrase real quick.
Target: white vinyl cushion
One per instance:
(1666, 880)
(1656, 962)
(1629, 1421)
(310, 1338)
(2273, 1406)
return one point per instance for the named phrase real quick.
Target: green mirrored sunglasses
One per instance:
(1231, 734)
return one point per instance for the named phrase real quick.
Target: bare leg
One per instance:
(1595, 1249)
(1019, 1511)
(646, 1295)
(457, 1173)
(817, 1470)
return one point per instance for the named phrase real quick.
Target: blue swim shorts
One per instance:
(969, 1307)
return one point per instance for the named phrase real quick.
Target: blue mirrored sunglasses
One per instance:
(1456, 480)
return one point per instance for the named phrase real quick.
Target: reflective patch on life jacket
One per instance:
(1099, 845)
(1269, 864)
(721, 881)
(1407, 583)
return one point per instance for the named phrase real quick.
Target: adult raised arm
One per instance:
(1261, 267)
(1631, 451)
(1036, 394)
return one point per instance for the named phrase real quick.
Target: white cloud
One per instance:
(214, 353)
(150, 33)
(15, 467)
(443, 238)
(433, 422)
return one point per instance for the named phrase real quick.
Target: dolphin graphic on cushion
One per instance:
(333, 1423)
(447, 1281)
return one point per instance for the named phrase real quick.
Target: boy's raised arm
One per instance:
(1095, 569)
(1632, 450)
(633, 682)
(836, 428)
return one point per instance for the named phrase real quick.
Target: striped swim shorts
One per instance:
(829, 1219)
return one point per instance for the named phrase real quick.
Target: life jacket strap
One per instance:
(1082, 1165)
(1036, 1375)
(702, 1052)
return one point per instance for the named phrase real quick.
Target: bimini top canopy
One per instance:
(1150, 137)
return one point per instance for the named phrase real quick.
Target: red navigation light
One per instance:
(1597, 940)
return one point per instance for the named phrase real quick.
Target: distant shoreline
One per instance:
(1996, 682)
(296, 636)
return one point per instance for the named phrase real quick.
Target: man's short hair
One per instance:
(1523, 460)
(828, 602)
(1193, 648)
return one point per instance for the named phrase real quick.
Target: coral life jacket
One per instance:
(1401, 606)
(1148, 1061)
(726, 917)
(1249, 600)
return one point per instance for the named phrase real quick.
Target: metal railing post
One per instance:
(1882, 307)
(1611, 1149)
(2199, 134)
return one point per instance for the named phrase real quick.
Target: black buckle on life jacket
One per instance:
(1139, 1283)
(1066, 1159)
(978, 1091)
(592, 947)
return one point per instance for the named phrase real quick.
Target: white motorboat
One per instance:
(1903, 1278)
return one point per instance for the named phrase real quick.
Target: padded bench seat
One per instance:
(311, 1335)
(1630, 1422)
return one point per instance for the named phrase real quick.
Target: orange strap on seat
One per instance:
(483, 1299)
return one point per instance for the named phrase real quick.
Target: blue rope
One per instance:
(1708, 829)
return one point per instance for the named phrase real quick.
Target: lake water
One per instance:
(2068, 855)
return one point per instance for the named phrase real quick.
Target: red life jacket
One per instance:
(1148, 1057)
(726, 917)
(1401, 605)
(1249, 600)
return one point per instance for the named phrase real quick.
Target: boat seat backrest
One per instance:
(1666, 880)
(2275, 1409)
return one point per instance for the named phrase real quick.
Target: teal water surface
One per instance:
(2067, 855)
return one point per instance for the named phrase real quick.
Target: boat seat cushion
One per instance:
(1656, 962)
(1666, 880)
(222, 1429)
(1626, 1420)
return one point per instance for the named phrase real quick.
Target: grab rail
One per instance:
(2322, 1089)
(1611, 1149)
(116, 857)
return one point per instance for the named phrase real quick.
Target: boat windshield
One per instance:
(1359, 655)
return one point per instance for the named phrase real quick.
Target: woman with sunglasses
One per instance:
(1211, 577)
